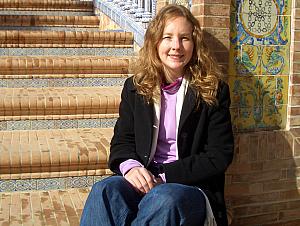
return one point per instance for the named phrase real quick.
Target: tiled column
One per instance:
(294, 92)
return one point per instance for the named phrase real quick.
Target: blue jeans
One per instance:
(114, 202)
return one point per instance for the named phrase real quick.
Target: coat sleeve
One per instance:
(123, 141)
(216, 153)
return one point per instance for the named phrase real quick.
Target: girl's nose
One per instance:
(175, 43)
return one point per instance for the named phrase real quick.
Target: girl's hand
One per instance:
(141, 179)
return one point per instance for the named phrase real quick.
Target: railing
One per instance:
(132, 15)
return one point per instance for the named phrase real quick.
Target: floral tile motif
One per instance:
(259, 60)
(258, 102)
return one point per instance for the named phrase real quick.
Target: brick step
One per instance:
(39, 20)
(47, 4)
(54, 153)
(71, 39)
(62, 65)
(54, 207)
(58, 101)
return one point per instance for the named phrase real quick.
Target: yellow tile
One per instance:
(258, 101)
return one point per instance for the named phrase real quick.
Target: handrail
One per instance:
(131, 15)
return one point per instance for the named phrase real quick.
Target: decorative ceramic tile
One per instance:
(259, 118)
(3, 125)
(50, 183)
(66, 124)
(4, 51)
(18, 125)
(42, 124)
(43, 12)
(89, 123)
(79, 182)
(258, 102)
(3, 83)
(259, 60)
(66, 51)
(260, 23)
(108, 122)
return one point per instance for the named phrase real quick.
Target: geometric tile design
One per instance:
(66, 51)
(57, 124)
(46, 28)
(49, 183)
(50, 13)
(259, 63)
(61, 82)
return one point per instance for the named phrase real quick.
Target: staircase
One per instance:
(60, 83)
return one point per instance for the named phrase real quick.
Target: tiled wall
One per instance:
(259, 63)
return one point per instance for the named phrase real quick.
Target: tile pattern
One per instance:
(259, 63)
(47, 13)
(10, 125)
(66, 51)
(49, 183)
(61, 82)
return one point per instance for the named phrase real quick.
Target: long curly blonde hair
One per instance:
(202, 71)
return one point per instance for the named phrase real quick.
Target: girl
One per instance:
(173, 140)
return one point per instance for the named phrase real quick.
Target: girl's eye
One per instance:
(167, 37)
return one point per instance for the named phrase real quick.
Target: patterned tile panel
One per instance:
(259, 63)
(259, 102)
(42, 12)
(56, 124)
(49, 183)
(66, 51)
(62, 82)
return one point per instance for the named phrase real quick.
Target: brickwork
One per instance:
(62, 65)
(68, 39)
(294, 94)
(214, 17)
(56, 208)
(46, 4)
(39, 20)
(263, 186)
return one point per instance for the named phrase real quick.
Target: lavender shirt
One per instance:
(166, 143)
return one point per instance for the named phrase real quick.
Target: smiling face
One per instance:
(175, 48)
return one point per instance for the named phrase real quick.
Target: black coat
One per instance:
(204, 141)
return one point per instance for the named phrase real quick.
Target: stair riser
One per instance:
(34, 124)
(63, 82)
(76, 21)
(62, 65)
(14, 38)
(47, 12)
(48, 184)
(45, 4)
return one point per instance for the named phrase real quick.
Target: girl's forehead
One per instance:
(178, 23)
